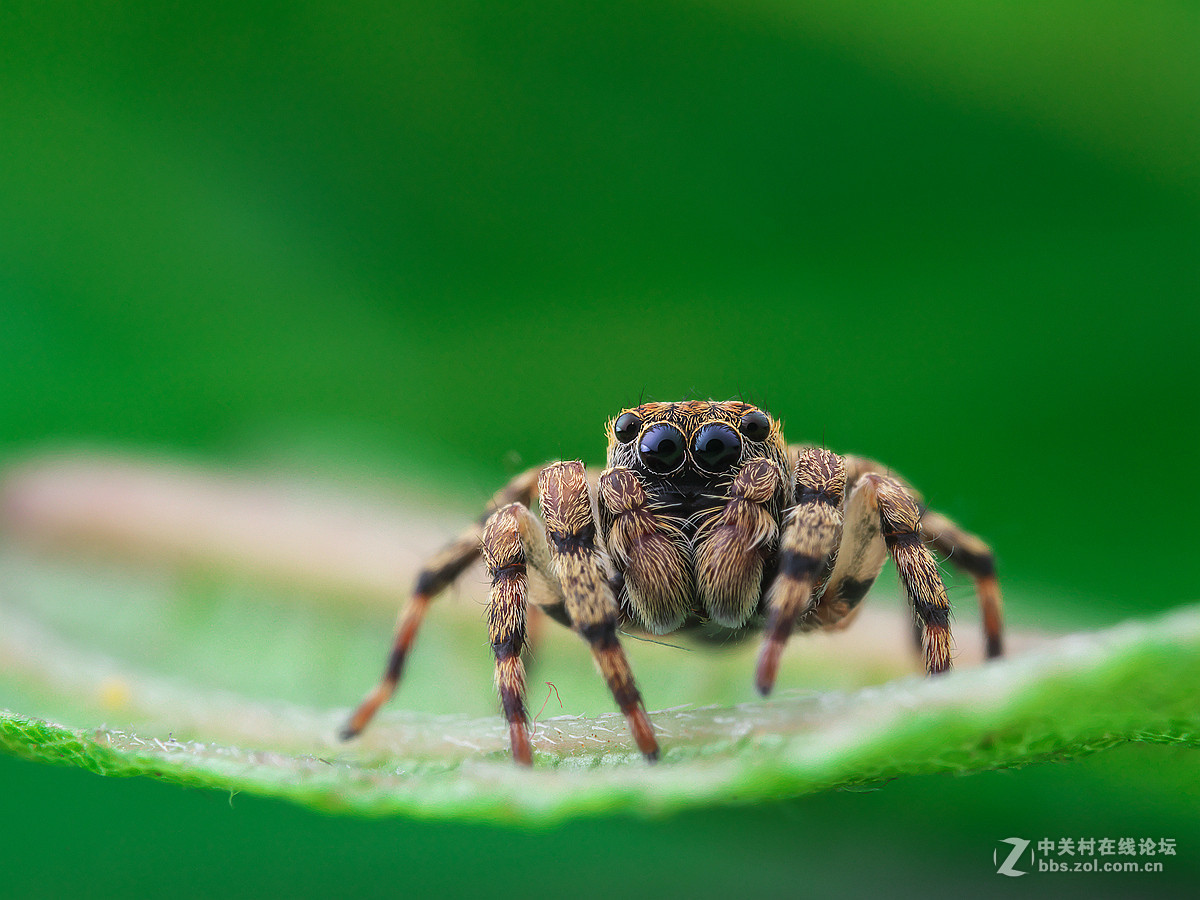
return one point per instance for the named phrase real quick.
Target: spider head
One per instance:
(699, 441)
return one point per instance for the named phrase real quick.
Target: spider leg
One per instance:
(513, 539)
(590, 604)
(860, 558)
(900, 526)
(436, 575)
(968, 553)
(811, 532)
(963, 550)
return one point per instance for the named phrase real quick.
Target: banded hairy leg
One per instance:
(513, 540)
(580, 567)
(881, 517)
(435, 576)
(961, 549)
(812, 531)
(970, 554)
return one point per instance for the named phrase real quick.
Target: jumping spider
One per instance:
(704, 517)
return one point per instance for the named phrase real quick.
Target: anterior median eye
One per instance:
(661, 448)
(716, 448)
(756, 426)
(626, 427)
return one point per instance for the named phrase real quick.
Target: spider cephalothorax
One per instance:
(703, 516)
(690, 507)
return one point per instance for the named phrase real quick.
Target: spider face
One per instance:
(692, 445)
(667, 496)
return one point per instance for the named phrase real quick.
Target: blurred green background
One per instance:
(445, 240)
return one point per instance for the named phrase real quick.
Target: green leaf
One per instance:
(1072, 696)
(261, 671)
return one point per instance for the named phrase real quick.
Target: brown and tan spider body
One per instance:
(703, 519)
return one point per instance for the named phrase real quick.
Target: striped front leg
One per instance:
(435, 576)
(900, 522)
(811, 533)
(590, 604)
(881, 518)
(513, 540)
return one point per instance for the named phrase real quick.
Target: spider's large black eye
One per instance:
(626, 427)
(661, 448)
(755, 425)
(716, 448)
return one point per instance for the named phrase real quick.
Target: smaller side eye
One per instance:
(626, 428)
(756, 426)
